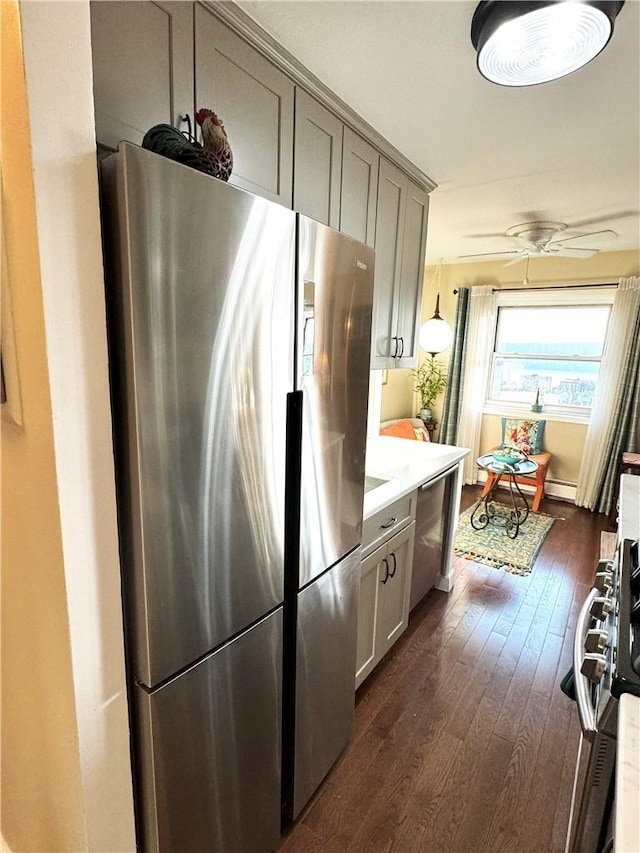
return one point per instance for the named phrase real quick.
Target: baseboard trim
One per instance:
(552, 489)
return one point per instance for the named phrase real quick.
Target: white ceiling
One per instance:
(567, 151)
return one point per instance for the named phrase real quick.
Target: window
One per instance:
(553, 350)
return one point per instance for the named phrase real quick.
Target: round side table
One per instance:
(487, 511)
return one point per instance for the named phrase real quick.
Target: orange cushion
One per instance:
(403, 429)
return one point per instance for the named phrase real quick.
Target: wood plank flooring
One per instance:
(463, 740)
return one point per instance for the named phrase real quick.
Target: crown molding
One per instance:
(244, 26)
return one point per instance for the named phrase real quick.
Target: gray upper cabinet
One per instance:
(142, 67)
(359, 195)
(401, 228)
(254, 99)
(317, 166)
(155, 62)
(409, 302)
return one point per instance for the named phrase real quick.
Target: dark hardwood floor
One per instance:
(463, 740)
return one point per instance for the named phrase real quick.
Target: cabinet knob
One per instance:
(603, 581)
(593, 667)
(596, 641)
(601, 607)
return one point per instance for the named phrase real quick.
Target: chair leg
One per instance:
(540, 478)
(491, 478)
(537, 497)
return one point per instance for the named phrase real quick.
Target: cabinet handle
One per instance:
(401, 346)
(389, 523)
(186, 119)
(395, 565)
(386, 570)
(395, 352)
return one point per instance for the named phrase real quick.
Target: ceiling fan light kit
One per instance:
(523, 43)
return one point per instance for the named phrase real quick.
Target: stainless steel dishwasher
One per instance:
(433, 530)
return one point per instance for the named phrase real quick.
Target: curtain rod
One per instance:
(552, 287)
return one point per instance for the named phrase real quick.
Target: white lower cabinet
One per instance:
(383, 614)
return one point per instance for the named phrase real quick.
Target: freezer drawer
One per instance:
(325, 676)
(210, 749)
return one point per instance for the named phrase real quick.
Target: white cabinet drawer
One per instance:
(386, 522)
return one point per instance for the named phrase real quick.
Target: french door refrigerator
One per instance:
(239, 346)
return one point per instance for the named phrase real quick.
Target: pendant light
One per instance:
(435, 334)
(522, 43)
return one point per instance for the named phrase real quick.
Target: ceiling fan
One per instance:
(536, 239)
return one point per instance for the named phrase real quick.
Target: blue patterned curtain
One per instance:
(624, 433)
(453, 398)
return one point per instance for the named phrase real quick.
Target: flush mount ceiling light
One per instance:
(522, 43)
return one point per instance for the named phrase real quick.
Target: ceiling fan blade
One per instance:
(490, 254)
(596, 220)
(601, 235)
(569, 252)
(521, 257)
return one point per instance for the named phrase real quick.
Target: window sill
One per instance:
(514, 411)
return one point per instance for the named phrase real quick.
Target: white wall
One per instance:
(57, 56)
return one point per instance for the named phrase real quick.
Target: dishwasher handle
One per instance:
(437, 479)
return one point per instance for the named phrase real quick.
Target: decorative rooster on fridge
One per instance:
(214, 156)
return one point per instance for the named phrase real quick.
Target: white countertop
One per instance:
(629, 518)
(405, 464)
(627, 821)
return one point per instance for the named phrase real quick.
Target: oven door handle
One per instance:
(583, 686)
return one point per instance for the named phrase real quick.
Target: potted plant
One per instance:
(430, 379)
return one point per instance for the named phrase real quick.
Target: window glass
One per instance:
(555, 351)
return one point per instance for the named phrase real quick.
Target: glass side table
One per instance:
(488, 511)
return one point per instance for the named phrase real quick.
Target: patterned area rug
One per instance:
(492, 546)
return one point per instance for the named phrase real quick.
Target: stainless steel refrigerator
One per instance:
(239, 343)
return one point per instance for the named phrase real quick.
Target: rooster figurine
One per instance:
(213, 157)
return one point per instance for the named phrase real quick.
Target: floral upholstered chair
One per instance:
(527, 436)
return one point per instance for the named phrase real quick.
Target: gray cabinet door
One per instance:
(359, 195)
(392, 189)
(142, 67)
(393, 607)
(317, 164)
(368, 613)
(401, 234)
(409, 299)
(254, 100)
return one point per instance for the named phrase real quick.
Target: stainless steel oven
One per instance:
(606, 664)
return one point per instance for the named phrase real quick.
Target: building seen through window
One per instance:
(554, 352)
